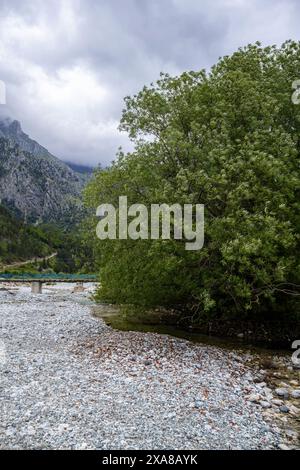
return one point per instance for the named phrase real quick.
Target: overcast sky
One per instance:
(67, 64)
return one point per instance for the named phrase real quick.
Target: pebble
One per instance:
(282, 392)
(254, 398)
(265, 404)
(283, 447)
(284, 409)
(294, 410)
(295, 394)
(75, 383)
(198, 404)
(291, 434)
(277, 402)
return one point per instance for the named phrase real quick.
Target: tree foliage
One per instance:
(228, 139)
(19, 241)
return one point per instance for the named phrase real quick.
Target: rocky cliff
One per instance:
(33, 183)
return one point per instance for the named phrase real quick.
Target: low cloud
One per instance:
(67, 64)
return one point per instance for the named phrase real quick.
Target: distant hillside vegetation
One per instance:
(20, 242)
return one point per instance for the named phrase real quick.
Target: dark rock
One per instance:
(284, 409)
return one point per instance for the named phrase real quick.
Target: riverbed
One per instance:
(70, 381)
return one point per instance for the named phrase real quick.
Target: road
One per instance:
(17, 264)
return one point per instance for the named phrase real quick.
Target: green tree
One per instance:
(228, 139)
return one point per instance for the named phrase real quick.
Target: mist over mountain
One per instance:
(83, 169)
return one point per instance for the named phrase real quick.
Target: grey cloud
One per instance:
(69, 63)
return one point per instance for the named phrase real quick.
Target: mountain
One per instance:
(83, 169)
(84, 172)
(34, 183)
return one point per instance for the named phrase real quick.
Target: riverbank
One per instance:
(273, 335)
(70, 382)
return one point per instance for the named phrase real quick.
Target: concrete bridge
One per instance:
(37, 280)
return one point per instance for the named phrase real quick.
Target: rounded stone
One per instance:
(284, 409)
(282, 392)
(265, 404)
(295, 394)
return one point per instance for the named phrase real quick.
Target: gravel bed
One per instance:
(68, 381)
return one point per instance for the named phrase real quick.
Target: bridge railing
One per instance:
(47, 277)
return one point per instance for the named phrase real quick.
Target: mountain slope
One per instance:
(19, 241)
(34, 183)
(11, 129)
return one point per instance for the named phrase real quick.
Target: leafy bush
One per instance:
(229, 139)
